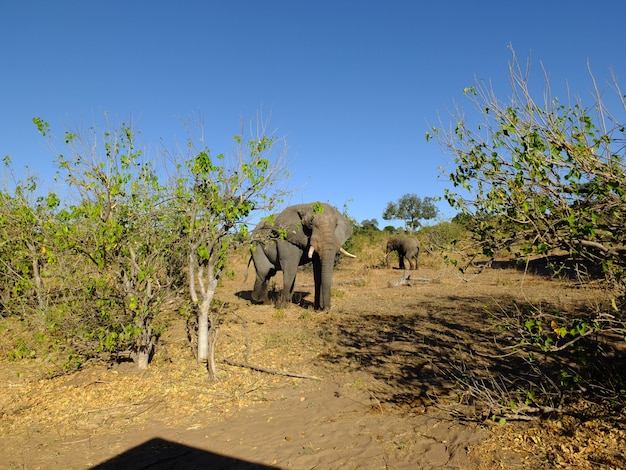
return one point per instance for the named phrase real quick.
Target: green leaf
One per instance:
(42, 126)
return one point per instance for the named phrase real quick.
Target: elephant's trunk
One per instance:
(322, 252)
(323, 266)
(328, 264)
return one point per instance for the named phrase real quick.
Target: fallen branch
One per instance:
(270, 371)
(356, 281)
(406, 280)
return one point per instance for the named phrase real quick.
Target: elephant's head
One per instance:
(328, 229)
(319, 230)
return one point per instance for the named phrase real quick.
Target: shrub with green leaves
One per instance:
(123, 224)
(219, 193)
(540, 178)
(537, 176)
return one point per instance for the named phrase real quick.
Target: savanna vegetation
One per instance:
(134, 244)
(542, 177)
(97, 271)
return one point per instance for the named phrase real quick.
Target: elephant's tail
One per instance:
(245, 277)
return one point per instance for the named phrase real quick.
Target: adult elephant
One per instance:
(407, 248)
(299, 235)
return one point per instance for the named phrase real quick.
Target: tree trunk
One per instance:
(37, 278)
(211, 364)
(206, 279)
(203, 330)
(145, 344)
(142, 358)
(206, 351)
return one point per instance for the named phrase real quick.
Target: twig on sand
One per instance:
(406, 280)
(342, 282)
(270, 371)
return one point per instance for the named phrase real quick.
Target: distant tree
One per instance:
(462, 218)
(369, 225)
(411, 209)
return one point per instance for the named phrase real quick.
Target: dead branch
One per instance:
(530, 413)
(270, 371)
(357, 281)
(407, 280)
(349, 282)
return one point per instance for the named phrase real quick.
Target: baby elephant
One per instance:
(407, 247)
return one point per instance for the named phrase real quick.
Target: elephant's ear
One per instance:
(343, 230)
(289, 226)
(308, 212)
(306, 218)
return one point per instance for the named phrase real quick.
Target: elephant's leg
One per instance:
(317, 280)
(259, 295)
(264, 271)
(289, 256)
(289, 282)
(411, 257)
(401, 257)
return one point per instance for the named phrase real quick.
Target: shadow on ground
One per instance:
(303, 299)
(420, 354)
(450, 345)
(163, 454)
(553, 266)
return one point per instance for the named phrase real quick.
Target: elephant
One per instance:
(407, 247)
(301, 234)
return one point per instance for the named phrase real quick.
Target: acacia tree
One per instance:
(219, 194)
(411, 209)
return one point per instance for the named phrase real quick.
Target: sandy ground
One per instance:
(323, 424)
(373, 399)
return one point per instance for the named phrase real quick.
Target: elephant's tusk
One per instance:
(345, 253)
(341, 250)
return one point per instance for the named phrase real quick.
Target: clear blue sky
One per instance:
(352, 85)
